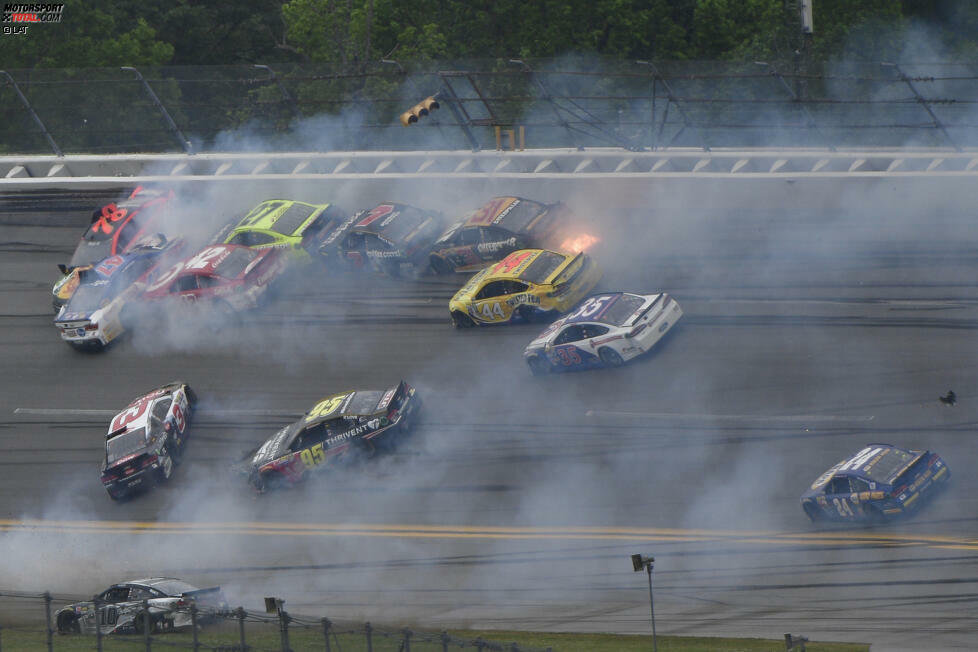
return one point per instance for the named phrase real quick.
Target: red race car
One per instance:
(231, 278)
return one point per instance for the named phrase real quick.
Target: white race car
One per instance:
(122, 608)
(604, 330)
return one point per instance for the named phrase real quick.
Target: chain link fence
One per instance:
(577, 103)
(236, 630)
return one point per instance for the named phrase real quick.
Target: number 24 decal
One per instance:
(845, 511)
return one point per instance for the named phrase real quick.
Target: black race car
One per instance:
(146, 439)
(391, 238)
(495, 230)
(337, 427)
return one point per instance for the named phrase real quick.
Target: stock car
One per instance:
(390, 237)
(146, 439)
(95, 314)
(499, 227)
(114, 229)
(283, 224)
(349, 422)
(121, 608)
(230, 278)
(879, 483)
(603, 330)
(525, 285)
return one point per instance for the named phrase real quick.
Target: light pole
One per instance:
(638, 563)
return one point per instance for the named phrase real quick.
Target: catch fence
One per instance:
(635, 105)
(236, 630)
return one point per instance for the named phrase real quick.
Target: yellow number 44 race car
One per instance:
(527, 284)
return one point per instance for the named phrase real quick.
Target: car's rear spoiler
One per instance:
(560, 277)
(200, 592)
(652, 305)
(906, 467)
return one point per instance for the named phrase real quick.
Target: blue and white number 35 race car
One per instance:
(603, 330)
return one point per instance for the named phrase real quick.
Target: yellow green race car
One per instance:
(284, 224)
(523, 286)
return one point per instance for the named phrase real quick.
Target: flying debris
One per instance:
(950, 399)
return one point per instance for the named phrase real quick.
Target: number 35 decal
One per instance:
(568, 355)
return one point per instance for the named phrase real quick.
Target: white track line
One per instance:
(794, 418)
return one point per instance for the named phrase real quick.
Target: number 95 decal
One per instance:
(313, 456)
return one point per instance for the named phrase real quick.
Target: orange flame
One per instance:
(579, 243)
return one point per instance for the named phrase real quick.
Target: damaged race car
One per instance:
(604, 330)
(526, 285)
(391, 238)
(879, 483)
(284, 224)
(157, 603)
(340, 427)
(229, 278)
(146, 439)
(96, 312)
(493, 231)
(114, 229)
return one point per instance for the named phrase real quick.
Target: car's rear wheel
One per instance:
(812, 512)
(538, 366)
(610, 357)
(140, 623)
(440, 266)
(68, 624)
(166, 464)
(873, 515)
(527, 313)
(461, 320)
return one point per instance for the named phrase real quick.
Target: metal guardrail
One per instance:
(47, 171)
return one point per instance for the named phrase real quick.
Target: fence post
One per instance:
(1, 640)
(147, 626)
(326, 626)
(241, 635)
(159, 105)
(480, 644)
(98, 626)
(193, 624)
(444, 641)
(283, 620)
(366, 630)
(47, 619)
(406, 644)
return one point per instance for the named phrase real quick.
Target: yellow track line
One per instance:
(487, 532)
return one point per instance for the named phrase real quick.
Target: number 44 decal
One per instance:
(491, 310)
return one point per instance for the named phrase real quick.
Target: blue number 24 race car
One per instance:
(878, 483)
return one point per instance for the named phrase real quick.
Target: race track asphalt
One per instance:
(518, 500)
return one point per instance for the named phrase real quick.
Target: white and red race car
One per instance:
(146, 439)
(604, 330)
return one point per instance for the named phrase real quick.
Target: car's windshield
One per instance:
(89, 297)
(364, 403)
(892, 461)
(541, 268)
(235, 262)
(623, 308)
(292, 218)
(521, 214)
(124, 445)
